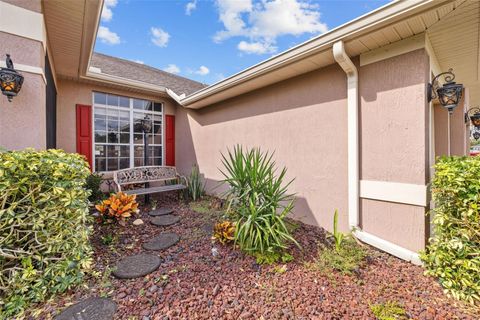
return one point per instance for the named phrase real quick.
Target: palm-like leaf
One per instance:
(260, 199)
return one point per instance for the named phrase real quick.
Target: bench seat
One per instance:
(144, 175)
(167, 188)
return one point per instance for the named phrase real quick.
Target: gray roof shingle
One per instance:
(140, 72)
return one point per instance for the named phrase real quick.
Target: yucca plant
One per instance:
(258, 196)
(195, 188)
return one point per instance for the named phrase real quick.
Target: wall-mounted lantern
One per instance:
(474, 115)
(449, 94)
(10, 80)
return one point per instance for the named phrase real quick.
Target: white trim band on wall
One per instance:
(22, 22)
(26, 68)
(413, 194)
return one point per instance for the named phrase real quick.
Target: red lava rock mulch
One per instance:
(193, 284)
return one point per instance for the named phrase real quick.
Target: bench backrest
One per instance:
(144, 174)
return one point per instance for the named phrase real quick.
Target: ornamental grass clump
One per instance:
(260, 202)
(44, 247)
(453, 254)
(117, 208)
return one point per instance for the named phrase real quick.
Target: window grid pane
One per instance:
(113, 127)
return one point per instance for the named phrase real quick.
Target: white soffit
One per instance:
(71, 27)
(455, 42)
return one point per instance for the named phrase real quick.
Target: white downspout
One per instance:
(352, 115)
(347, 65)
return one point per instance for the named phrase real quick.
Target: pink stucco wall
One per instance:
(23, 121)
(459, 134)
(70, 93)
(32, 5)
(394, 143)
(303, 120)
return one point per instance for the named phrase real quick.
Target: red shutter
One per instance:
(169, 140)
(84, 131)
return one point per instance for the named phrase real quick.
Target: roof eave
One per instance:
(386, 15)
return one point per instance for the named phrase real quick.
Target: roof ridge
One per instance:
(146, 66)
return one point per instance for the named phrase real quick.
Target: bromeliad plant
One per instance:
(259, 199)
(117, 208)
(224, 232)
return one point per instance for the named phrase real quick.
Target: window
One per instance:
(118, 138)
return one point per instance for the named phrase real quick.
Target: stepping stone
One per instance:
(165, 220)
(160, 212)
(90, 309)
(136, 266)
(163, 241)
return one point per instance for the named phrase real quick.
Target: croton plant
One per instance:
(117, 208)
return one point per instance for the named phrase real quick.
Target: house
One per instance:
(346, 112)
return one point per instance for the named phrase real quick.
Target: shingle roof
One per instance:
(140, 72)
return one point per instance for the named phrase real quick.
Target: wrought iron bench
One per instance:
(144, 175)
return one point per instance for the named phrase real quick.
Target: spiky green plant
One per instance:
(258, 196)
(195, 188)
(337, 235)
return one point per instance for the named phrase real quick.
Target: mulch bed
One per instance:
(193, 284)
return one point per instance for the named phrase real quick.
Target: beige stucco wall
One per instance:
(394, 143)
(303, 120)
(70, 93)
(459, 134)
(32, 5)
(23, 121)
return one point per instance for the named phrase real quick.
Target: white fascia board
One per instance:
(135, 84)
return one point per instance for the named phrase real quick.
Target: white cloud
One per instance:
(138, 61)
(191, 6)
(172, 68)
(159, 37)
(107, 36)
(203, 71)
(264, 21)
(107, 12)
(256, 47)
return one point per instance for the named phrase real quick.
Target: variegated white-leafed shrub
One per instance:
(44, 246)
(453, 254)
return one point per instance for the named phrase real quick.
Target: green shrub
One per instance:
(195, 188)
(337, 235)
(454, 251)
(346, 259)
(43, 233)
(94, 182)
(259, 198)
(390, 310)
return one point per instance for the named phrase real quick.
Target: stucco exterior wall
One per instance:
(23, 121)
(459, 135)
(32, 5)
(303, 120)
(70, 93)
(394, 143)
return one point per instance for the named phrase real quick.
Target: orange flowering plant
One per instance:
(118, 207)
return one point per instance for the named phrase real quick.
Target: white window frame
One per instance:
(131, 110)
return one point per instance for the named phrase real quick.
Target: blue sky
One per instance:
(210, 40)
